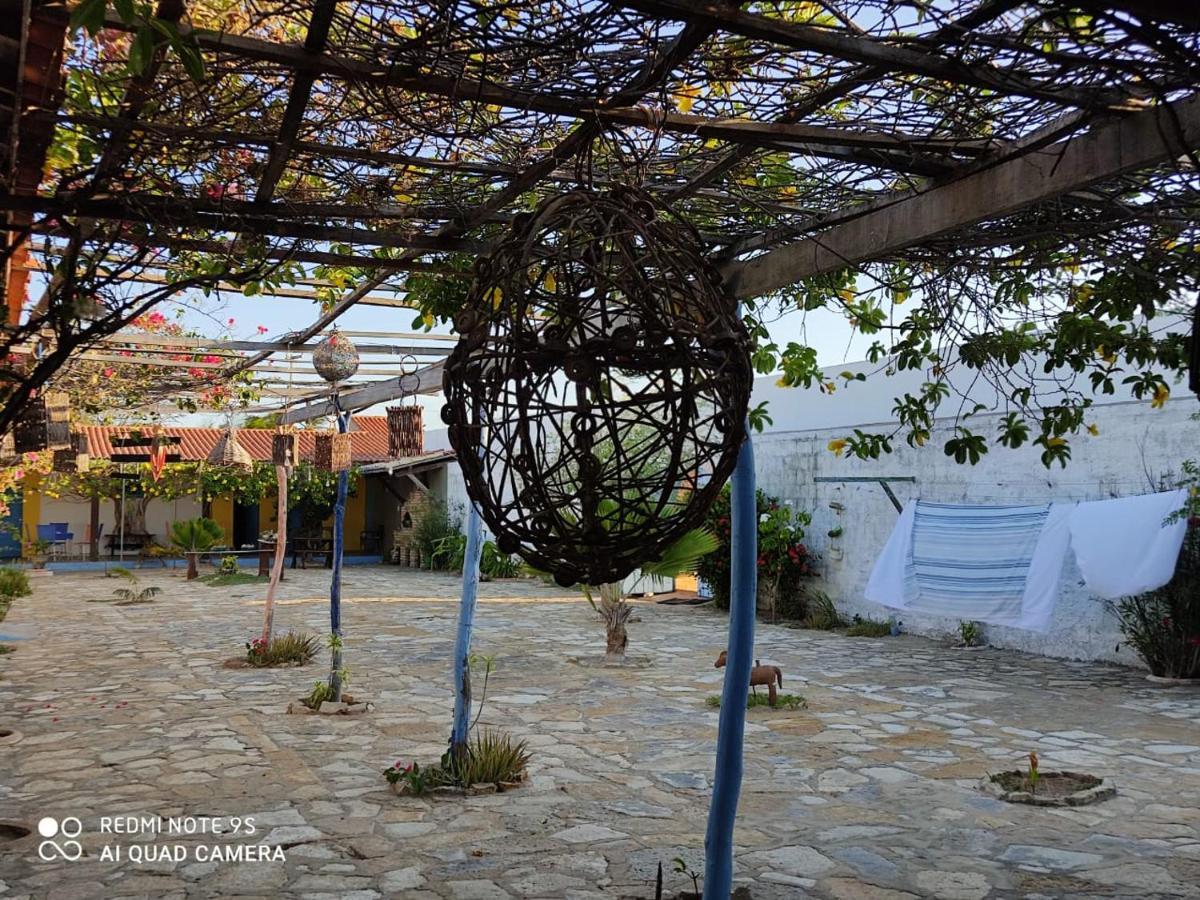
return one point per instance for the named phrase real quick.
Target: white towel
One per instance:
(1011, 562)
(1123, 547)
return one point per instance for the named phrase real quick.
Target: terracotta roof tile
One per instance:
(369, 441)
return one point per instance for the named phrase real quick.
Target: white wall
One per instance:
(1136, 447)
(159, 516)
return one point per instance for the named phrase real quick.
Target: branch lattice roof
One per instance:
(402, 131)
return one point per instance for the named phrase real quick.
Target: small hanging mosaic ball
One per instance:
(335, 358)
(597, 396)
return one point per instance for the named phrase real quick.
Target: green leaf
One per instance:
(141, 51)
(89, 14)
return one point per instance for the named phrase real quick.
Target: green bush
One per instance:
(861, 627)
(495, 564)
(434, 526)
(449, 552)
(14, 583)
(1163, 626)
(229, 565)
(783, 558)
(489, 758)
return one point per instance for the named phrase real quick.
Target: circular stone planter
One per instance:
(1054, 789)
(13, 831)
(8, 736)
(329, 708)
(1173, 682)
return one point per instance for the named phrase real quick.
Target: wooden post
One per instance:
(466, 622)
(727, 779)
(281, 479)
(335, 586)
(94, 526)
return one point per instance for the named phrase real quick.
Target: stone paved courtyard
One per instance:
(870, 792)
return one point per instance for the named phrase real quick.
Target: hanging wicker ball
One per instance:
(597, 396)
(335, 358)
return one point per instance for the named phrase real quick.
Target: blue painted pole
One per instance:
(335, 585)
(727, 779)
(466, 622)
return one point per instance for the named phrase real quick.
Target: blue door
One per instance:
(10, 529)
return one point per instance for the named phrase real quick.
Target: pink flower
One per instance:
(109, 371)
(262, 329)
(231, 321)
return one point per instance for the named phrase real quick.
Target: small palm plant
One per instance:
(680, 557)
(194, 536)
(131, 595)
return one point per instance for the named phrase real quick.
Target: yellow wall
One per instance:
(222, 514)
(32, 510)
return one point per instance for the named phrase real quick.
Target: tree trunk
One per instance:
(192, 571)
(615, 612)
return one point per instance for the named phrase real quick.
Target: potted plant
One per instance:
(37, 552)
(193, 537)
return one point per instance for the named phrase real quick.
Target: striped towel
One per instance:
(971, 562)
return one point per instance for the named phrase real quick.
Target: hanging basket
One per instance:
(75, 458)
(58, 421)
(598, 393)
(331, 451)
(335, 358)
(229, 453)
(406, 431)
(283, 447)
(29, 430)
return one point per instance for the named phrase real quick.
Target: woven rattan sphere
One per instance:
(335, 358)
(597, 396)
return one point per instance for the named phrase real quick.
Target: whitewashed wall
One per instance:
(1137, 447)
(159, 515)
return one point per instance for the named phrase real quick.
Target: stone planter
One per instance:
(1055, 789)
(1168, 681)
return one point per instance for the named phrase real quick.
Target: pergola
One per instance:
(395, 139)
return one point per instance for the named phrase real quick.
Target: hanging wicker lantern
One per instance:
(597, 396)
(406, 431)
(228, 452)
(29, 430)
(58, 421)
(335, 358)
(75, 458)
(283, 446)
(332, 451)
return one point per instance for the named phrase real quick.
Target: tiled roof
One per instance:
(369, 440)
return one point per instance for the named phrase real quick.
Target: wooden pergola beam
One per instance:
(889, 56)
(424, 381)
(167, 211)
(314, 42)
(1112, 149)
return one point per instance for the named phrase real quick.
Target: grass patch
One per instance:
(5, 603)
(7, 648)
(222, 579)
(869, 628)
(782, 701)
(291, 649)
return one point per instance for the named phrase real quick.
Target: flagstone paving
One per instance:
(870, 792)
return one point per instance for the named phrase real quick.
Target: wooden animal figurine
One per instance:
(760, 674)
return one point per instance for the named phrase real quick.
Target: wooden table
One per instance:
(130, 540)
(305, 547)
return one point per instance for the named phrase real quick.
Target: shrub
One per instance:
(971, 633)
(783, 558)
(495, 564)
(293, 648)
(449, 552)
(433, 526)
(14, 583)
(861, 627)
(1163, 625)
(229, 565)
